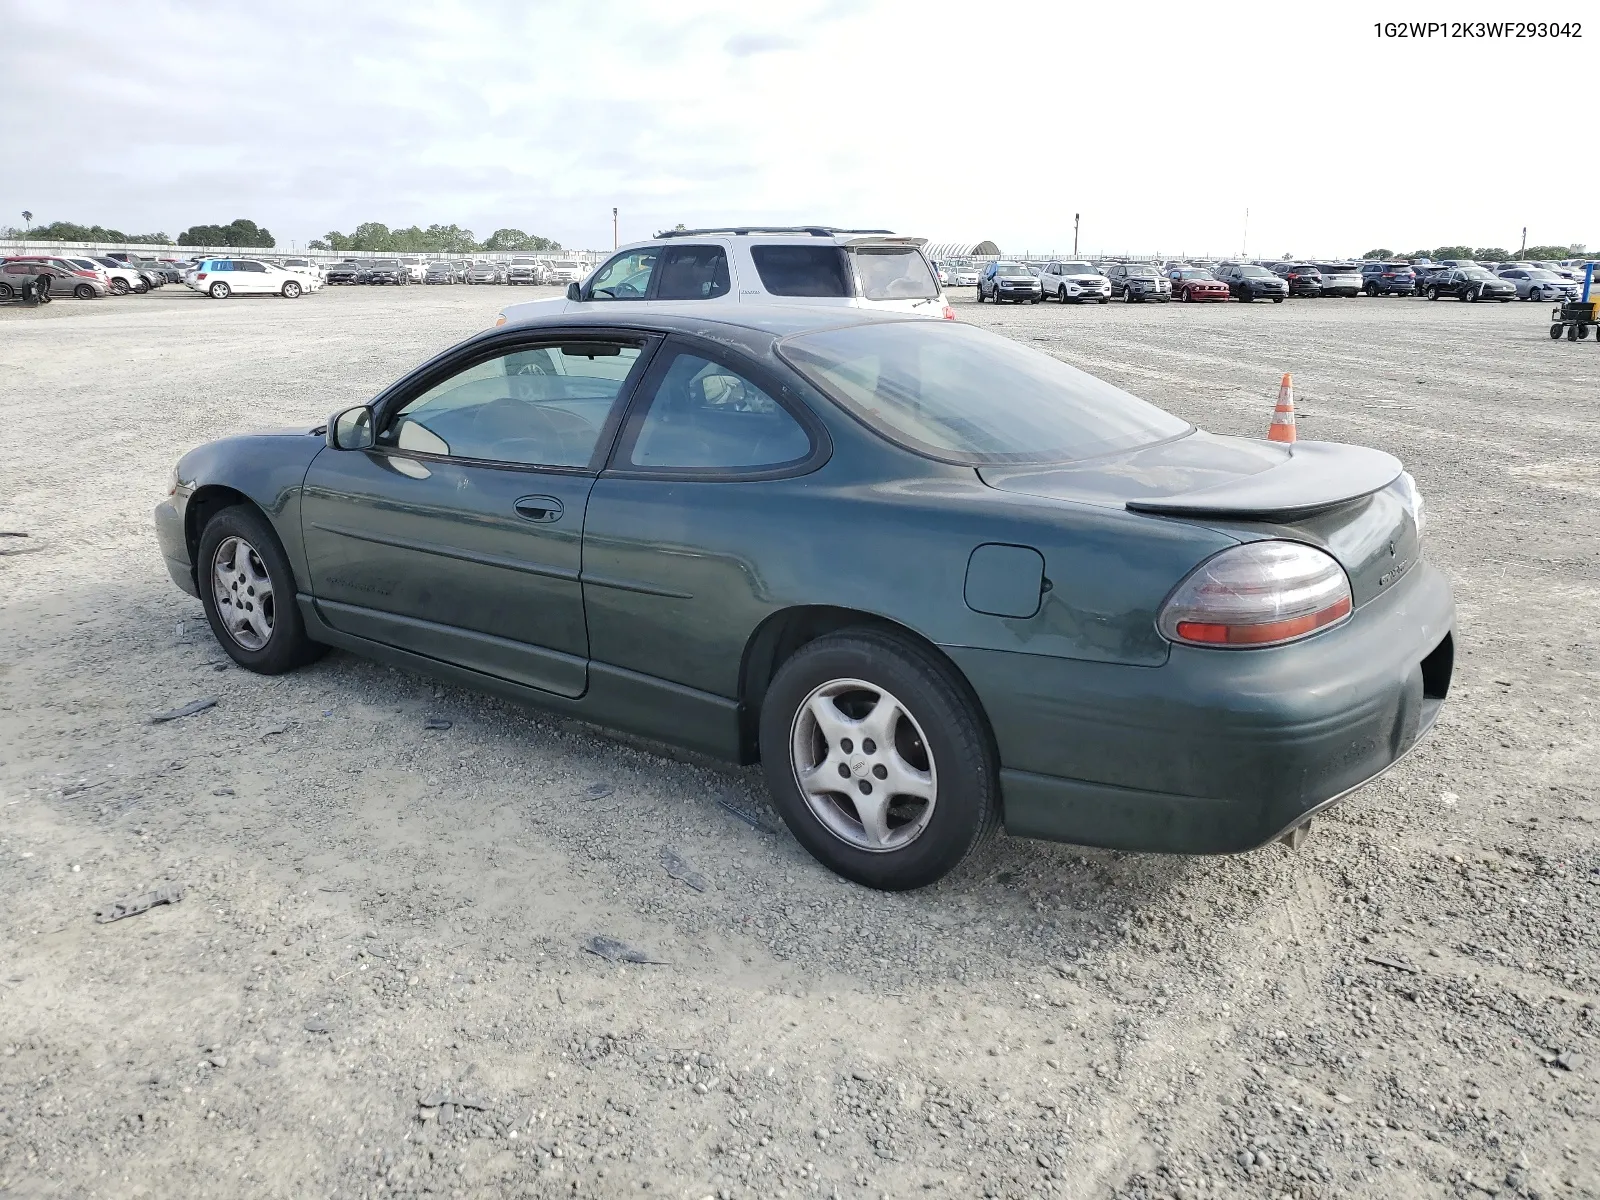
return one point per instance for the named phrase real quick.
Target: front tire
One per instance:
(248, 591)
(291, 290)
(1433, 293)
(119, 287)
(919, 788)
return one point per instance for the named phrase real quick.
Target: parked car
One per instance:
(1196, 283)
(1139, 282)
(416, 269)
(441, 272)
(1535, 283)
(305, 266)
(486, 272)
(349, 271)
(1078, 617)
(70, 279)
(120, 277)
(17, 274)
(966, 276)
(1339, 279)
(526, 270)
(812, 266)
(1470, 283)
(1247, 282)
(566, 270)
(1303, 278)
(1388, 279)
(386, 271)
(221, 278)
(1012, 281)
(1075, 282)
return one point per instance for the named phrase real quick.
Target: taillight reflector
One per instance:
(1257, 635)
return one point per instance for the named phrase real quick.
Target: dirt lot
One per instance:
(374, 984)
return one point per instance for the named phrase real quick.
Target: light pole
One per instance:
(614, 242)
(1524, 249)
(1075, 235)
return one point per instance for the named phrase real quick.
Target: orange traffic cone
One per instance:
(1282, 427)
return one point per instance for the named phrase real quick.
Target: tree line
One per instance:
(369, 235)
(1487, 253)
(437, 239)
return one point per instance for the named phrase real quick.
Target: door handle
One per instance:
(539, 508)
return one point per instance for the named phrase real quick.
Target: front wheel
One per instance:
(119, 287)
(878, 760)
(1468, 295)
(980, 293)
(291, 290)
(220, 290)
(1433, 293)
(1246, 295)
(1555, 331)
(1061, 293)
(1127, 295)
(248, 591)
(1105, 299)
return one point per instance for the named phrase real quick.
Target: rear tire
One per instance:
(242, 535)
(220, 290)
(936, 742)
(84, 291)
(6, 291)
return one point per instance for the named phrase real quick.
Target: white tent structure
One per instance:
(939, 251)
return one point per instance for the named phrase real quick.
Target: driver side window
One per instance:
(625, 277)
(534, 406)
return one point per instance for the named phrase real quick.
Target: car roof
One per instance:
(690, 316)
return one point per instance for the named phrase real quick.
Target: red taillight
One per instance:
(949, 313)
(1258, 594)
(201, 275)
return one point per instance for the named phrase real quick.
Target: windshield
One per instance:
(566, 264)
(963, 394)
(1005, 268)
(1078, 269)
(1255, 272)
(384, 264)
(897, 274)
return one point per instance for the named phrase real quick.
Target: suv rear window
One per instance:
(894, 274)
(802, 270)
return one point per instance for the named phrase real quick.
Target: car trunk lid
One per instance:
(1350, 501)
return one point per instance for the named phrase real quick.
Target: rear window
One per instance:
(962, 394)
(894, 274)
(802, 270)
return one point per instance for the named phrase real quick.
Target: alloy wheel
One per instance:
(863, 765)
(242, 589)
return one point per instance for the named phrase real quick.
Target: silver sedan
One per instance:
(1536, 283)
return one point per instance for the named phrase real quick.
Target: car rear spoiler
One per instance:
(919, 243)
(1314, 476)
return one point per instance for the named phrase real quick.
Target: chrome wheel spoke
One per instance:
(242, 589)
(862, 764)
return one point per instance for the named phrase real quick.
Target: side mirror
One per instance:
(351, 429)
(574, 292)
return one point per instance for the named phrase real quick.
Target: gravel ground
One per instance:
(375, 983)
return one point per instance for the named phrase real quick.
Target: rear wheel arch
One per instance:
(778, 638)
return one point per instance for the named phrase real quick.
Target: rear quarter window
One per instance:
(894, 275)
(802, 270)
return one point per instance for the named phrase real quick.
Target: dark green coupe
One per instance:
(932, 579)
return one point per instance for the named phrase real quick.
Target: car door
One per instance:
(712, 460)
(458, 534)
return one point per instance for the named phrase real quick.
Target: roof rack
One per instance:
(743, 230)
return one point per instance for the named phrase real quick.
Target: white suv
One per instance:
(810, 265)
(220, 278)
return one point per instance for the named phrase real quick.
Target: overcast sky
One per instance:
(1160, 123)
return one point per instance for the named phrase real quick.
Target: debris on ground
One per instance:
(436, 723)
(674, 865)
(188, 710)
(167, 893)
(749, 819)
(597, 791)
(612, 950)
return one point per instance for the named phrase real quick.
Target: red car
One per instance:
(1196, 283)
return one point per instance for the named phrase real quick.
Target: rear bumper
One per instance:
(1215, 751)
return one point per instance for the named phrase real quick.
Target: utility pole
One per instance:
(614, 242)
(1244, 250)
(1075, 235)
